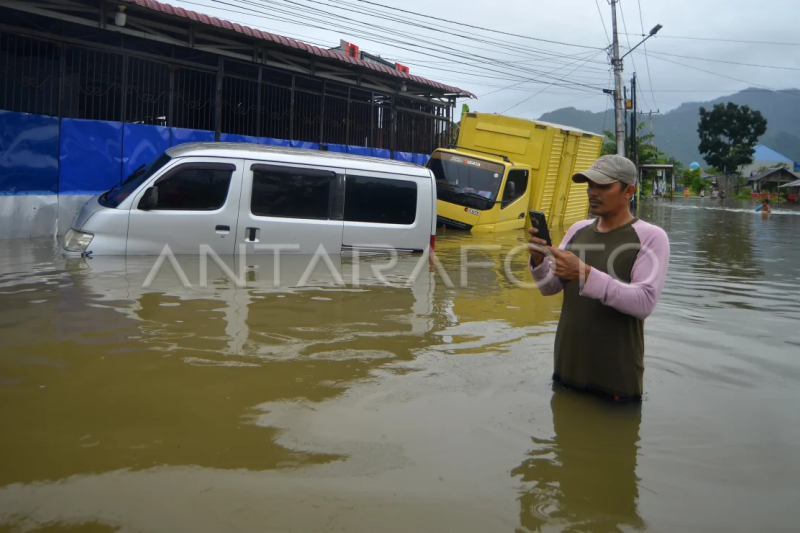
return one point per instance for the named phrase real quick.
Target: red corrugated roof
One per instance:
(292, 43)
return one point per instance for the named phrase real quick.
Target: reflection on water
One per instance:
(585, 476)
(385, 406)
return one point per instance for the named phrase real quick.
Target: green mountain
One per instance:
(676, 131)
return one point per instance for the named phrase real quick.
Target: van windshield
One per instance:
(465, 180)
(115, 196)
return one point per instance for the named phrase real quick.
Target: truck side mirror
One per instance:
(149, 199)
(510, 192)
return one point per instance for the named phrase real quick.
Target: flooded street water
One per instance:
(397, 408)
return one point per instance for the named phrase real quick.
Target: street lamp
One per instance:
(655, 30)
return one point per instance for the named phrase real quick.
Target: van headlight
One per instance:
(77, 241)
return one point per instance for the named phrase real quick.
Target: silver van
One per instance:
(225, 194)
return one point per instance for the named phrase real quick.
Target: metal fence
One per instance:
(115, 84)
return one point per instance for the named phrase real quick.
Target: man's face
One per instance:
(609, 199)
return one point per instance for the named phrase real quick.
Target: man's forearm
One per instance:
(545, 278)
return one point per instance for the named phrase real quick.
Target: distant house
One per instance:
(772, 175)
(792, 190)
(766, 157)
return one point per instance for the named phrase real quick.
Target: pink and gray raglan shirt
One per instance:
(600, 339)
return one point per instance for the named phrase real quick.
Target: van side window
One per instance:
(379, 200)
(516, 185)
(194, 187)
(290, 192)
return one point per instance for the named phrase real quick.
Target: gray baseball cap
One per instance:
(608, 169)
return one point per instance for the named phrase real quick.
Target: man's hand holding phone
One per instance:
(536, 247)
(566, 265)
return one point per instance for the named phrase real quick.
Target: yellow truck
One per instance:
(502, 167)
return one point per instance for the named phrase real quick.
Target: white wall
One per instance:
(29, 216)
(755, 165)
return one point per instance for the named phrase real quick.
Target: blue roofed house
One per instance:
(766, 157)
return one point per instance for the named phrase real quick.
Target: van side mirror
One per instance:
(149, 199)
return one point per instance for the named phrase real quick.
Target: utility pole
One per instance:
(625, 121)
(656, 112)
(616, 62)
(634, 152)
(619, 106)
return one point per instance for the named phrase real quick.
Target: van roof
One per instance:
(280, 154)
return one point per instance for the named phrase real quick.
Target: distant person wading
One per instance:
(612, 270)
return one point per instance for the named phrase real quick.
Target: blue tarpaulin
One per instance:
(304, 144)
(141, 143)
(183, 135)
(234, 138)
(359, 150)
(91, 156)
(28, 154)
(340, 148)
(404, 156)
(273, 142)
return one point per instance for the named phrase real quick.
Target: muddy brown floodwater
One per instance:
(397, 408)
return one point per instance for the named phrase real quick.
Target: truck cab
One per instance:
(479, 192)
(503, 167)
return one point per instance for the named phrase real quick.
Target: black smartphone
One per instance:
(539, 221)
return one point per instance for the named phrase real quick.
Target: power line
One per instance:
(605, 113)
(646, 59)
(625, 26)
(522, 82)
(726, 62)
(599, 12)
(545, 88)
(457, 52)
(477, 27)
(564, 104)
(326, 24)
(773, 43)
(453, 51)
(437, 30)
(462, 35)
(728, 77)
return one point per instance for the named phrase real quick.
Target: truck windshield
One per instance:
(466, 180)
(115, 196)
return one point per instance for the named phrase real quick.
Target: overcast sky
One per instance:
(482, 63)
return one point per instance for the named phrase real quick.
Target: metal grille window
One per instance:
(405, 125)
(147, 92)
(194, 99)
(239, 106)
(335, 120)
(92, 85)
(307, 107)
(360, 119)
(382, 123)
(28, 75)
(276, 111)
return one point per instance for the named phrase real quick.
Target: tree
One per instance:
(691, 179)
(455, 128)
(728, 134)
(646, 152)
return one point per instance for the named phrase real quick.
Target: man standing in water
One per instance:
(612, 270)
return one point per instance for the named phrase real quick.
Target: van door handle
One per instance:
(251, 234)
(223, 229)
